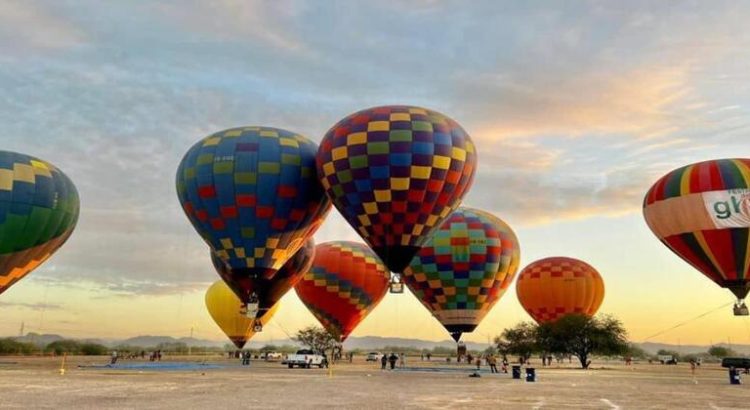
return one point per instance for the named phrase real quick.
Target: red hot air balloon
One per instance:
(702, 213)
(261, 293)
(345, 283)
(395, 173)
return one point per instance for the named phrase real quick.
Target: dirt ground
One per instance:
(30, 383)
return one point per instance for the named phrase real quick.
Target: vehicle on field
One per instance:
(373, 356)
(271, 356)
(736, 362)
(667, 359)
(306, 358)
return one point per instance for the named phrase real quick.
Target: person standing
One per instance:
(114, 357)
(392, 360)
(383, 361)
(492, 361)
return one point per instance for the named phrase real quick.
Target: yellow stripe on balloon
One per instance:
(685, 180)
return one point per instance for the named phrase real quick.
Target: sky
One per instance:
(576, 109)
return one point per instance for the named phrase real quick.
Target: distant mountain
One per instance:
(39, 340)
(362, 343)
(376, 342)
(686, 349)
(153, 341)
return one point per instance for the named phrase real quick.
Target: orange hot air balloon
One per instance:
(345, 283)
(553, 287)
(224, 307)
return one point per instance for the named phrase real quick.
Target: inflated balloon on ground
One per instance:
(224, 307)
(39, 209)
(554, 287)
(702, 213)
(464, 269)
(395, 173)
(345, 283)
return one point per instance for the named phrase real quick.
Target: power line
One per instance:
(688, 321)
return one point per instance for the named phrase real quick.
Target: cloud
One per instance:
(27, 25)
(32, 306)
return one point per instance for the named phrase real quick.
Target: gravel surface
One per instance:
(30, 383)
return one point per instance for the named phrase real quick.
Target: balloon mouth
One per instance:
(396, 258)
(740, 290)
(238, 341)
(457, 331)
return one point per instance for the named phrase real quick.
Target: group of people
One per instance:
(153, 356)
(392, 359)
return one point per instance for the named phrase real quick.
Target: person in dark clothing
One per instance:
(383, 361)
(392, 359)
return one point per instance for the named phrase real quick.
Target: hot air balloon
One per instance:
(38, 211)
(554, 287)
(224, 307)
(702, 213)
(260, 293)
(344, 284)
(395, 173)
(464, 269)
(252, 193)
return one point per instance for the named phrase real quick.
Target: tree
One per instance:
(520, 340)
(582, 336)
(721, 352)
(316, 338)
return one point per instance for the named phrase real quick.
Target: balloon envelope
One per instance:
(253, 195)
(553, 287)
(344, 284)
(395, 173)
(464, 269)
(268, 290)
(224, 307)
(702, 213)
(39, 209)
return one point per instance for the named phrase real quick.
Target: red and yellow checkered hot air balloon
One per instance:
(554, 287)
(702, 213)
(345, 283)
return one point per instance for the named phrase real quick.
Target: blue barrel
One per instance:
(734, 376)
(517, 372)
(530, 374)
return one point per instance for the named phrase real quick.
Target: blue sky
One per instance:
(576, 109)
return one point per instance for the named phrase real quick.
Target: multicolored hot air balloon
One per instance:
(345, 283)
(464, 269)
(702, 213)
(262, 291)
(395, 173)
(252, 193)
(554, 287)
(224, 307)
(39, 209)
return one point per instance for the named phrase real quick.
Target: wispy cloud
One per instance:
(32, 306)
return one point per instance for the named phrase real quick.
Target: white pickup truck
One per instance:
(306, 358)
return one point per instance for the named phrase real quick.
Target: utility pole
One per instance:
(190, 342)
(20, 332)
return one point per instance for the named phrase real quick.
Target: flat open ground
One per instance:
(27, 383)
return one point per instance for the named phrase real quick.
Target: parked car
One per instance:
(373, 356)
(306, 358)
(271, 356)
(667, 359)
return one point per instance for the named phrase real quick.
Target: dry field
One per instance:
(28, 383)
